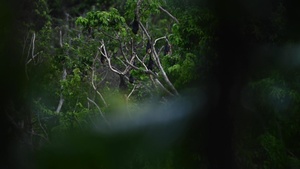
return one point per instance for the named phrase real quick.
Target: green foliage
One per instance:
(193, 38)
(146, 9)
(180, 69)
(102, 20)
(274, 150)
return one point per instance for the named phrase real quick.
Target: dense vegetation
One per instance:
(150, 84)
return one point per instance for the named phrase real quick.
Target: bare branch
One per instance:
(162, 86)
(145, 31)
(123, 53)
(102, 115)
(33, 40)
(142, 62)
(104, 33)
(164, 73)
(127, 98)
(32, 50)
(94, 87)
(61, 100)
(29, 48)
(64, 76)
(154, 43)
(168, 13)
(108, 59)
(60, 38)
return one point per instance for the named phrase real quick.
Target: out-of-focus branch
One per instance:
(33, 45)
(94, 87)
(64, 76)
(60, 38)
(162, 86)
(154, 43)
(101, 113)
(32, 50)
(104, 53)
(61, 100)
(133, 89)
(142, 62)
(145, 30)
(168, 13)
